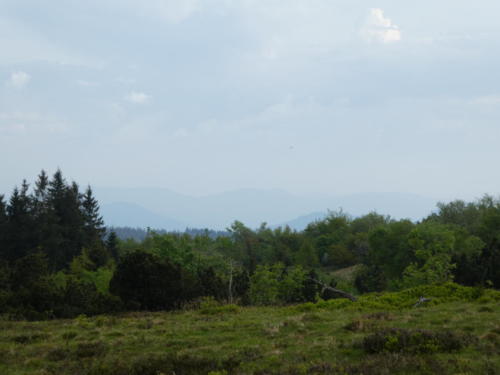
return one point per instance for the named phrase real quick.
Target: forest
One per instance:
(57, 260)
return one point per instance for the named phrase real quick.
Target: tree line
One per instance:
(57, 259)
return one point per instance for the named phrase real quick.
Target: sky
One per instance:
(205, 96)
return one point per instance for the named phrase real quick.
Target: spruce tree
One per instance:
(42, 214)
(66, 232)
(3, 227)
(112, 244)
(93, 223)
(21, 238)
(41, 187)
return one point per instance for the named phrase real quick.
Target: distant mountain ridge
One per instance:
(163, 208)
(128, 214)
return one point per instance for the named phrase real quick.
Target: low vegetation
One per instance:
(458, 332)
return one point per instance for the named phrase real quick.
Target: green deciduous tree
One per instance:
(433, 246)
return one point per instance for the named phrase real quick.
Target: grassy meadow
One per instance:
(456, 332)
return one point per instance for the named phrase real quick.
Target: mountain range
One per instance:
(165, 209)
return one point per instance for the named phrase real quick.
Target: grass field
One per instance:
(451, 335)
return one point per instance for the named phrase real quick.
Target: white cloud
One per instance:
(137, 97)
(380, 29)
(19, 79)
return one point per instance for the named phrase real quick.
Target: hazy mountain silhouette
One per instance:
(150, 207)
(133, 215)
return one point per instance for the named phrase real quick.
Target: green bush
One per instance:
(397, 340)
(437, 294)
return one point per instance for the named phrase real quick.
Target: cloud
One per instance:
(137, 97)
(380, 29)
(19, 79)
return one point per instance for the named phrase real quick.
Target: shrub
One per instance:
(396, 340)
(147, 282)
(57, 354)
(29, 338)
(89, 349)
(220, 309)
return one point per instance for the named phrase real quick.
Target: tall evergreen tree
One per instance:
(93, 223)
(41, 187)
(66, 222)
(3, 227)
(112, 244)
(21, 238)
(42, 213)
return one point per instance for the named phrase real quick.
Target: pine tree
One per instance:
(42, 214)
(3, 227)
(56, 192)
(41, 187)
(93, 223)
(66, 233)
(21, 238)
(112, 244)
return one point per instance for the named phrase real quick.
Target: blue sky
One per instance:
(206, 96)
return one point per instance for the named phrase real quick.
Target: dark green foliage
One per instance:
(146, 282)
(415, 341)
(389, 248)
(81, 297)
(20, 226)
(112, 245)
(32, 295)
(3, 228)
(209, 284)
(370, 279)
(93, 224)
(311, 288)
(482, 220)
(41, 233)
(89, 349)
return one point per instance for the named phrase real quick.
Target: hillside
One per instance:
(457, 332)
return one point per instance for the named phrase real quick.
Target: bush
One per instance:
(214, 310)
(397, 340)
(89, 349)
(146, 282)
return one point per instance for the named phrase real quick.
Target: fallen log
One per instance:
(337, 291)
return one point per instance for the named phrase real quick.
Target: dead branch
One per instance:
(337, 291)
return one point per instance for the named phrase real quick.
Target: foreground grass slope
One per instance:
(458, 331)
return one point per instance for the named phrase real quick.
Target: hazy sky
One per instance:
(202, 96)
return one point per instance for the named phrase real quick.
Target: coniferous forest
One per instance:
(59, 261)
